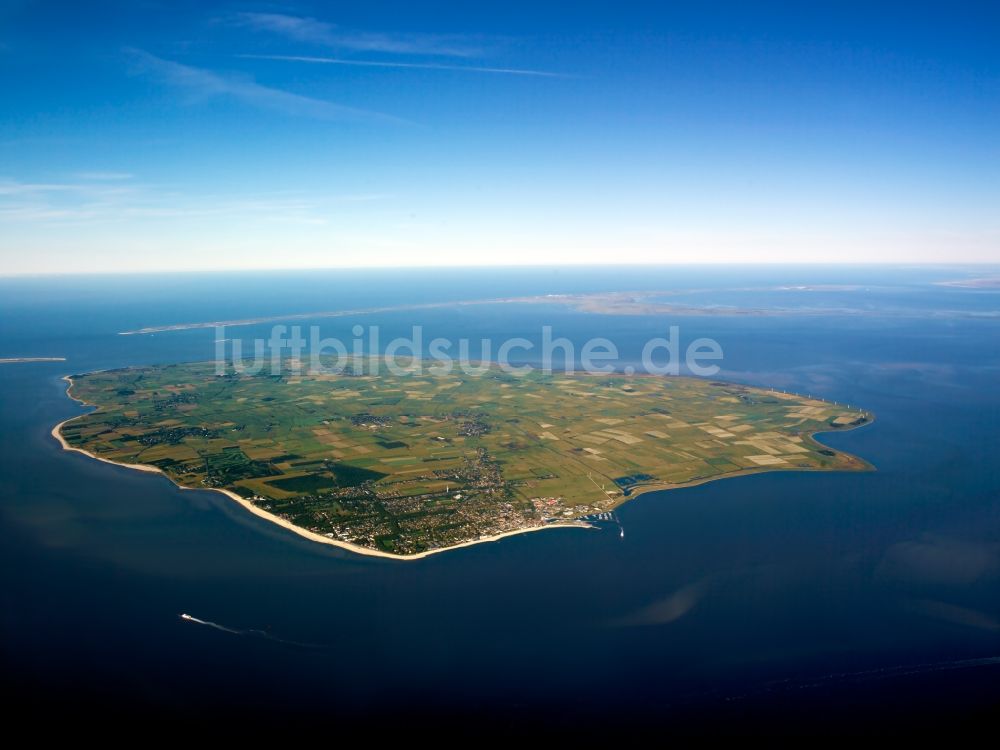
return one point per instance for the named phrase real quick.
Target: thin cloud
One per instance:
(323, 34)
(103, 176)
(13, 187)
(207, 84)
(419, 66)
(43, 201)
(111, 202)
(83, 185)
(10, 187)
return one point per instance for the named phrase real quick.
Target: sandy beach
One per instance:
(358, 549)
(16, 360)
(278, 520)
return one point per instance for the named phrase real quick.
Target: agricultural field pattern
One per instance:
(410, 463)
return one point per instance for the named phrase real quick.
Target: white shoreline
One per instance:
(358, 549)
(19, 360)
(279, 521)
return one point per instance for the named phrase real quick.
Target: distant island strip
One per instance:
(988, 283)
(610, 303)
(603, 303)
(17, 360)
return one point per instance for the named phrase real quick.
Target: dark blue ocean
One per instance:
(783, 598)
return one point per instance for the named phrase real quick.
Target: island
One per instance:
(409, 464)
(22, 360)
(662, 303)
(597, 303)
(988, 283)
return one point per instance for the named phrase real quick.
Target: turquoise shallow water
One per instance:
(858, 593)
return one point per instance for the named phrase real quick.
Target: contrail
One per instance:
(419, 66)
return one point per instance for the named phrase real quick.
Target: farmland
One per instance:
(411, 462)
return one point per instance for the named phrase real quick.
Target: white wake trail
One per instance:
(217, 626)
(252, 632)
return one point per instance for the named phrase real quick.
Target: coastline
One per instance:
(56, 432)
(22, 360)
(865, 466)
(612, 303)
(598, 303)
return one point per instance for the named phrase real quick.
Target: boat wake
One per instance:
(249, 632)
(217, 626)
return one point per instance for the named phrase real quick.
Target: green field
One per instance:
(414, 462)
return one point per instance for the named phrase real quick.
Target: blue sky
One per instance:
(150, 136)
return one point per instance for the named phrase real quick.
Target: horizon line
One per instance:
(510, 266)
